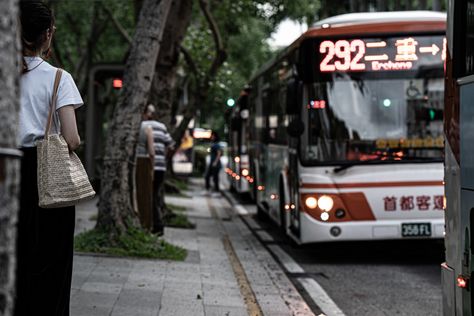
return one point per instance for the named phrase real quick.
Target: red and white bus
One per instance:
(346, 130)
(458, 293)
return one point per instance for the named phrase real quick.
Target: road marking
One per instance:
(240, 209)
(253, 308)
(315, 291)
(253, 224)
(264, 236)
(290, 265)
(320, 297)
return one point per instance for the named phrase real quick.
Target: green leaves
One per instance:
(85, 31)
(133, 243)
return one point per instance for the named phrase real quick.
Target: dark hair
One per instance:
(214, 133)
(36, 18)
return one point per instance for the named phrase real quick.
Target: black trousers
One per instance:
(45, 242)
(213, 172)
(158, 178)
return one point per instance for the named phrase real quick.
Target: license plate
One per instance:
(416, 230)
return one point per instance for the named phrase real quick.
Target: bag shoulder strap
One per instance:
(52, 106)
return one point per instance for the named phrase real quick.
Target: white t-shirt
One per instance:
(36, 89)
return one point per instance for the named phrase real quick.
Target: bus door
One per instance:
(263, 156)
(294, 106)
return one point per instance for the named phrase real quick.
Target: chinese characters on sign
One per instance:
(410, 202)
(428, 142)
(389, 54)
(406, 49)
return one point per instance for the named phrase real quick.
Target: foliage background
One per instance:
(87, 34)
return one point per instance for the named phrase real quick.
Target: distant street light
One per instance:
(230, 102)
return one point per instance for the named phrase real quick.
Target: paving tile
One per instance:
(90, 301)
(204, 284)
(100, 287)
(87, 310)
(137, 302)
(213, 310)
(222, 295)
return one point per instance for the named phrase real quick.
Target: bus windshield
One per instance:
(351, 118)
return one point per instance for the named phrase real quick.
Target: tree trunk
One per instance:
(137, 7)
(164, 82)
(188, 114)
(9, 162)
(353, 5)
(436, 5)
(397, 5)
(363, 6)
(381, 5)
(201, 91)
(116, 207)
(422, 4)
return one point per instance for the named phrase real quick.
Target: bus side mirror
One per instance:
(295, 128)
(293, 96)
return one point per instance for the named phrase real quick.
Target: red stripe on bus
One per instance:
(370, 184)
(354, 203)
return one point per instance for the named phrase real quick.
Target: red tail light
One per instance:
(462, 282)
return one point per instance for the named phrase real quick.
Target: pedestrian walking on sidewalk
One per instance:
(45, 236)
(161, 141)
(214, 163)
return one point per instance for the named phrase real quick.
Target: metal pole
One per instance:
(92, 129)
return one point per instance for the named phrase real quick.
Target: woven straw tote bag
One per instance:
(62, 179)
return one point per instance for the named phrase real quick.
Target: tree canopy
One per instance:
(91, 32)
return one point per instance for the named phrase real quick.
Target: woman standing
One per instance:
(45, 236)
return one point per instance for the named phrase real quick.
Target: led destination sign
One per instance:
(405, 53)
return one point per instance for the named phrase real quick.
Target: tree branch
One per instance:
(221, 53)
(117, 24)
(189, 60)
(96, 31)
(57, 54)
(73, 24)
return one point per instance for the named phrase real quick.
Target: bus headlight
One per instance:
(325, 203)
(245, 172)
(325, 216)
(311, 202)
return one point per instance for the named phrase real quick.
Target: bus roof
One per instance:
(381, 17)
(378, 22)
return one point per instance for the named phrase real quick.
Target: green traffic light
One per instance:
(230, 102)
(432, 114)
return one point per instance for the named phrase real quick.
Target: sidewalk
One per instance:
(227, 271)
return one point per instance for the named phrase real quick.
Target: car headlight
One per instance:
(311, 202)
(325, 203)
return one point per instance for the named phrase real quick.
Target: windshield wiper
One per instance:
(388, 159)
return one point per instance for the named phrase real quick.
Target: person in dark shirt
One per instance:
(214, 163)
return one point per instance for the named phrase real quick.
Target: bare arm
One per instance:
(218, 157)
(67, 118)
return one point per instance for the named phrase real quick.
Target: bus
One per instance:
(238, 163)
(345, 130)
(458, 294)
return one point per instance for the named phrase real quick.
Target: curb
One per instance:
(294, 301)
